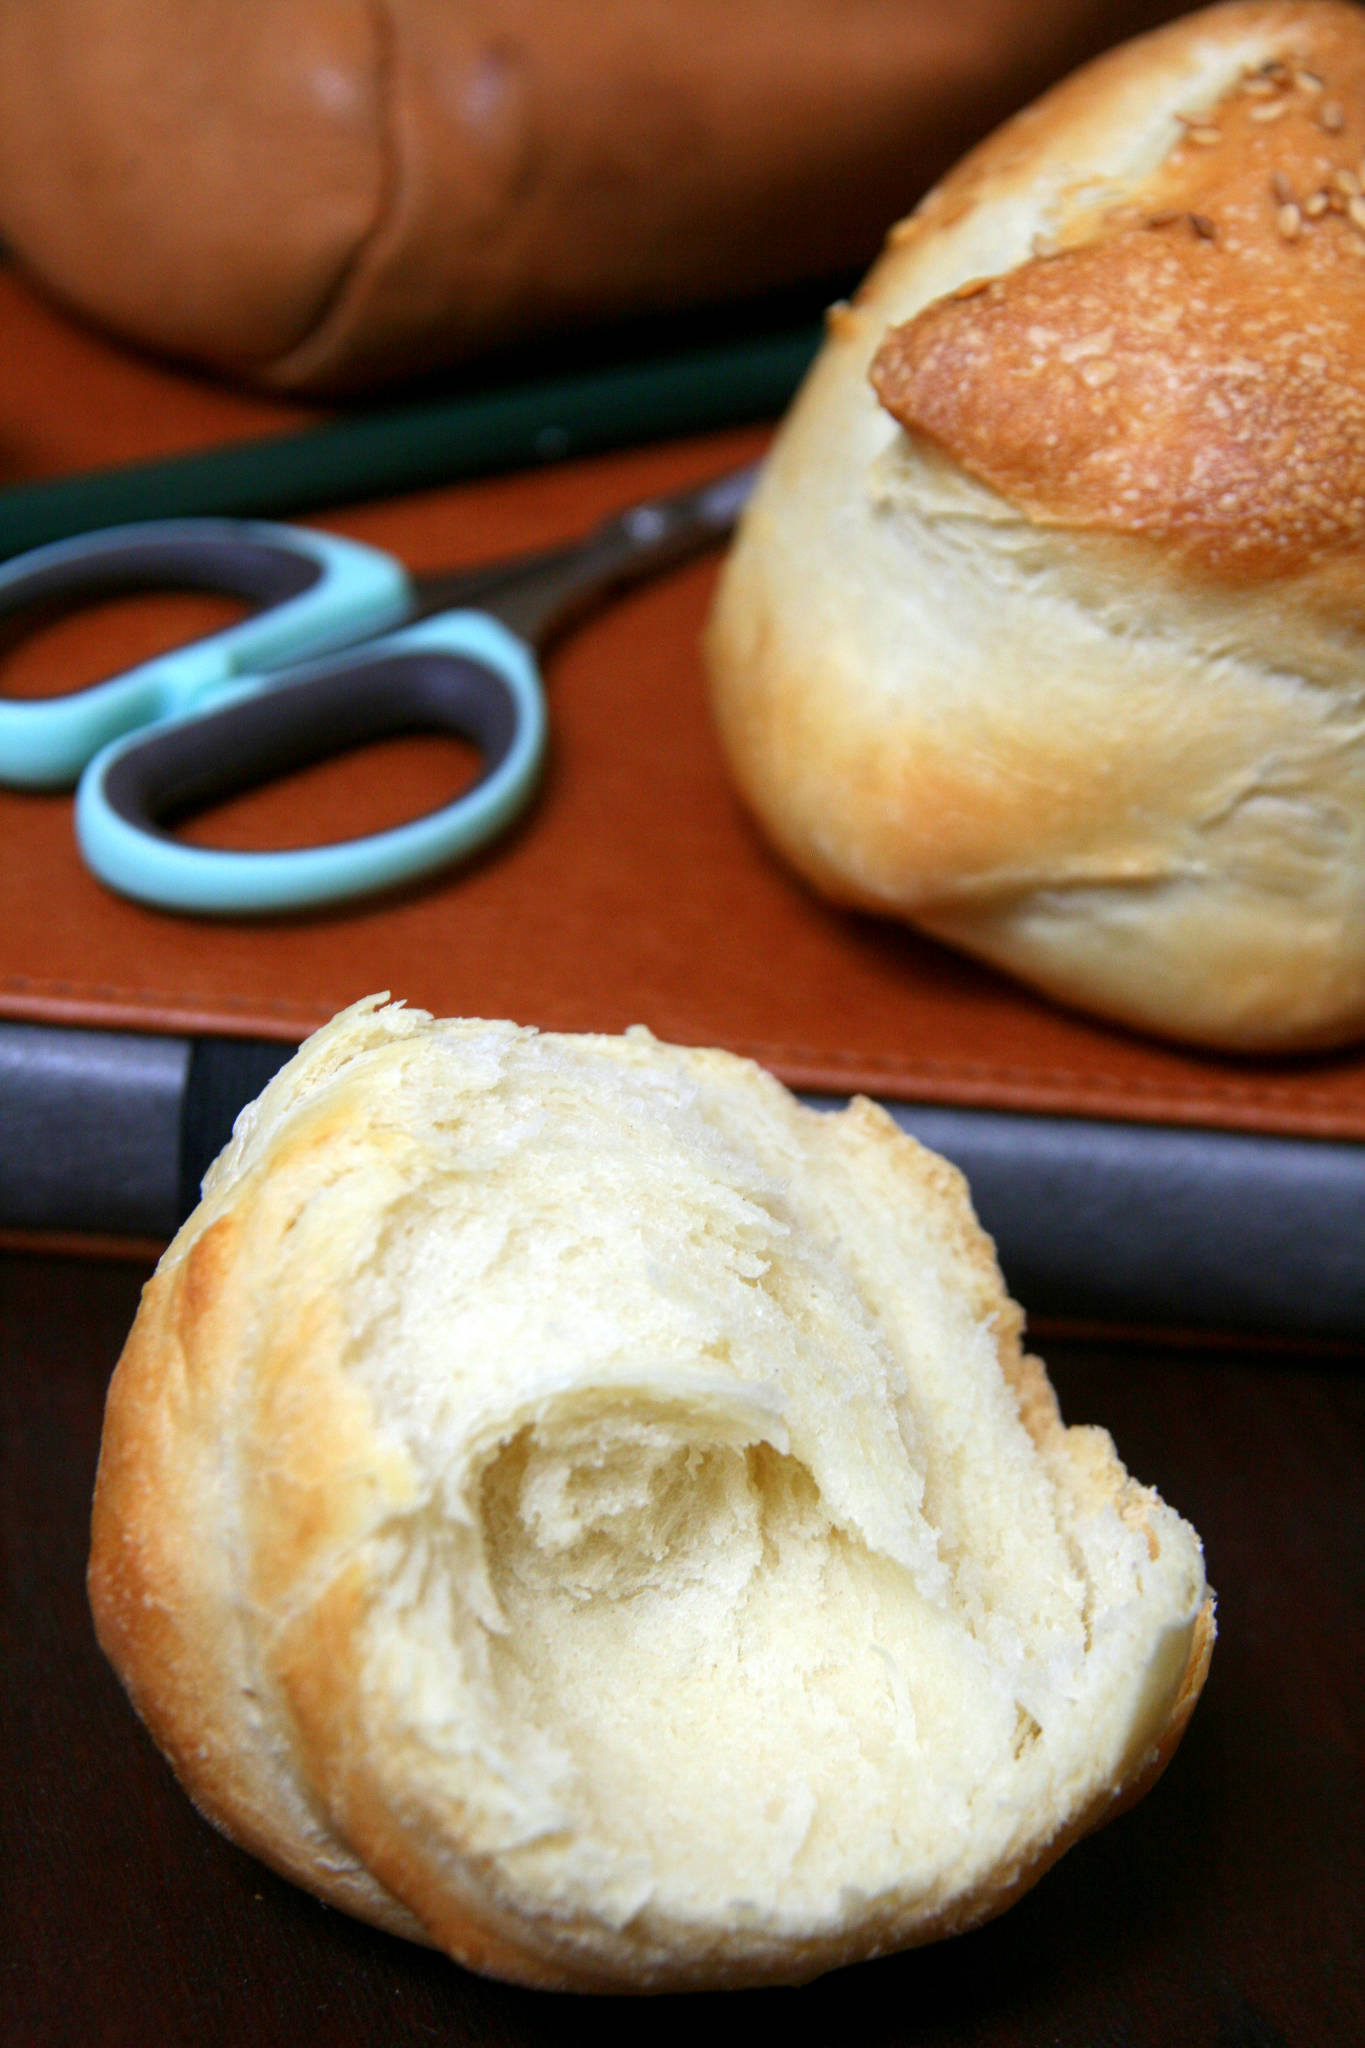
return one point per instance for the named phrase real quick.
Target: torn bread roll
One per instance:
(568, 1502)
(1046, 630)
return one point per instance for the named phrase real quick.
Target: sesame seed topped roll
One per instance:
(1047, 628)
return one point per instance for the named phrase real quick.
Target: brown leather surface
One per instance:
(70, 402)
(331, 194)
(635, 891)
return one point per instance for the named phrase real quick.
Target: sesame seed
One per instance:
(1205, 135)
(1346, 181)
(1289, 221)
(1316, 206)
(1271, 110)
(1308, 81)
(1204, 227)
(1331, 117)
(1282, 189)
(1257, 85)
(1356, 213)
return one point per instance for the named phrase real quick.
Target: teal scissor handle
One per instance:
(461, 669)
(319, 591)
(236, 709)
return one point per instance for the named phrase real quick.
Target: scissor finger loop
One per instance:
(461, 674)
(309, 591)
(232, 558)
(234, 710)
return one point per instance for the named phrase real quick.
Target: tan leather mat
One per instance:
(634, 891)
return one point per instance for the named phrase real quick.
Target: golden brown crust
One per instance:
(165, 1610)
(1187, 365)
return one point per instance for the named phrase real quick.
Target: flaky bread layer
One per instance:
(565, 1501)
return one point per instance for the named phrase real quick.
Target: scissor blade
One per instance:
(538, 594)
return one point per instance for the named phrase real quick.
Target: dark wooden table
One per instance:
(1227, 1909)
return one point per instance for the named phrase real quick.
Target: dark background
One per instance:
(1225, 1910)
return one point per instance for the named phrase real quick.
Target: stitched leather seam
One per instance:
(1060, 1077)
(180, 999)
(1062, 1080)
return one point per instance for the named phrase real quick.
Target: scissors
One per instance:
(342, 646)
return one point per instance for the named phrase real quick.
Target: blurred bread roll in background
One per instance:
(1046, 628)
(332, 195)
(565, 1501)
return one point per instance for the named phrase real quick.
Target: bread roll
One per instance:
(1046, 630)
(328, 195)
(569, 1503)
